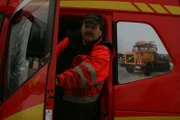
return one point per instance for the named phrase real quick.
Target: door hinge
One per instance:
(105, 114)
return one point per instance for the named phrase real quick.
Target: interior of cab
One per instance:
(69, 24)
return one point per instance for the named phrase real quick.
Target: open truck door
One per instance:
(29, 61)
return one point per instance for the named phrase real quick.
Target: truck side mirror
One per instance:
(36, 43)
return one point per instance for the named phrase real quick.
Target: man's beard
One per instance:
(89, 42)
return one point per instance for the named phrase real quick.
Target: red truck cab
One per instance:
(31, 29)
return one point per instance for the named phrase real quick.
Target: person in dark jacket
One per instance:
(83, 60)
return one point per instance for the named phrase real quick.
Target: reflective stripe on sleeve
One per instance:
(83, 78)
(92, 71)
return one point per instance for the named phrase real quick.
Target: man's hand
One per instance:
(57, 80)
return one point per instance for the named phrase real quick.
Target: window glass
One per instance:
(27, 44)
(1, 20)
(141, 54)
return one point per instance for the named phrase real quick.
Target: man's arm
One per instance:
(92, 70)
(61, 46)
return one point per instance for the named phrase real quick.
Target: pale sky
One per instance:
(128, 33)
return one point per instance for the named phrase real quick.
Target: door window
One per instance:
(27, 44)
(141, 54)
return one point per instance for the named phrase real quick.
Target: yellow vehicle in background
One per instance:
(145, 57)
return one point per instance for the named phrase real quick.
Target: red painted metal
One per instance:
(167, 2)
(3, 2)
(49, 102)
(157, 94)
(31, 93)
(134, 114)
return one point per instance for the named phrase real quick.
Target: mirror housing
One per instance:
(36, 43)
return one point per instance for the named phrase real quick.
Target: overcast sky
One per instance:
(129, 33)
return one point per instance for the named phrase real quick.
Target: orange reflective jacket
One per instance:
(83, 80)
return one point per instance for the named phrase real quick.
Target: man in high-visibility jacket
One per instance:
(83, 66)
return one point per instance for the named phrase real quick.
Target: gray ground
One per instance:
(125, 77)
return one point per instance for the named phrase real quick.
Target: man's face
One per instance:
(90, 31)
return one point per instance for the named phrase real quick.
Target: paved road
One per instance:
(125, 77)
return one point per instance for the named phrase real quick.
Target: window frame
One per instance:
(115, 43)
(115, 61)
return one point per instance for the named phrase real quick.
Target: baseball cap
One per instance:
(94, 17)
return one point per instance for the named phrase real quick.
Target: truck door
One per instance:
(3, 10)
(137, 96)
(29, 61)
(3, 2)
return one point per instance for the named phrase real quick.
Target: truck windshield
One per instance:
(140, 48)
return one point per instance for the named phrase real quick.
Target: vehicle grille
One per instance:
(130, 58)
